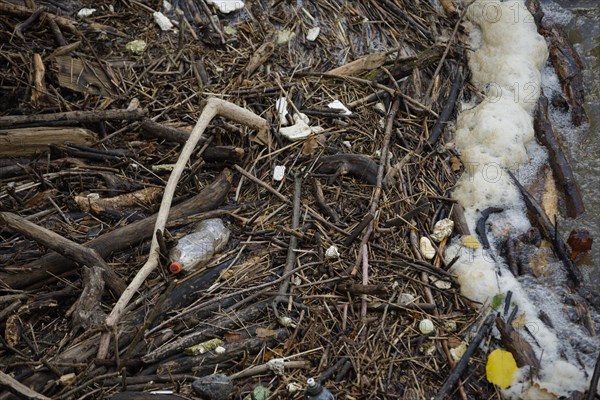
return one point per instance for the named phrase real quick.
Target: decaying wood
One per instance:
(18, 387)
(356, 165)
(76, 252)
(363, 64)
(86, 311)
(39, 93)
(27, 141)
(550, 233)
(20, 11)
(144, 197)
(73, 117)
(561, 168)
(519, 347)
(565, 60)
(54, 264)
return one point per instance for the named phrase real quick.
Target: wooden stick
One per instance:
(561, 169)
(550, 233)
(464, 360)
(64, 246)
(213, 108)
(8, 381)
(73, 117)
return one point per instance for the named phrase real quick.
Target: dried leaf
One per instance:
(264, 332)
(455, 163)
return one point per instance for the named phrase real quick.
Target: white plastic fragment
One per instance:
(227, 6)
(405, 298)
(136, 46)
(284, 36)
(442, 229)
(338, 105)
(427, 248)
(313, 33)
(300, 130)
(86, 12)
(332, 252)
(167, 6)
(440, 283)
(426, 326)
(220, 350)
(293, 387)
(347, 144)
(281, 106)
(279, 172)
(162, 21)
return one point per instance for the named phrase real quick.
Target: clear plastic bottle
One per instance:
(197, 248)
(315, 391)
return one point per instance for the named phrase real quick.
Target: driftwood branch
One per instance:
(18, 387)
(73, 117)
(64, 246)
(54, 264)
(213, 108)
(561, 169)
(550, 233)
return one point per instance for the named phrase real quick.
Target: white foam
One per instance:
(492, 137)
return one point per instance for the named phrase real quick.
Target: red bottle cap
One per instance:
(175, 267)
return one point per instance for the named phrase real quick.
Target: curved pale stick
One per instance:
(213, 108)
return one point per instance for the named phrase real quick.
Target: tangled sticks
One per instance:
(213, 108)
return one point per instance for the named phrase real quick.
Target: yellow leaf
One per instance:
(471, 242)
(500, 368)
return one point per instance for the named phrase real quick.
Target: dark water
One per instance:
(581, 19)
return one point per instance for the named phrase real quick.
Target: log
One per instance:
(27, 141)
(561, 169)
(54, 264)
(74, 117)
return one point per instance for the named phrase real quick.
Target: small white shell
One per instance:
(427, 248)
(426, 326)
(287, 322)
(279, 172)
(332, 252)
(313, 33)
(442, 229)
